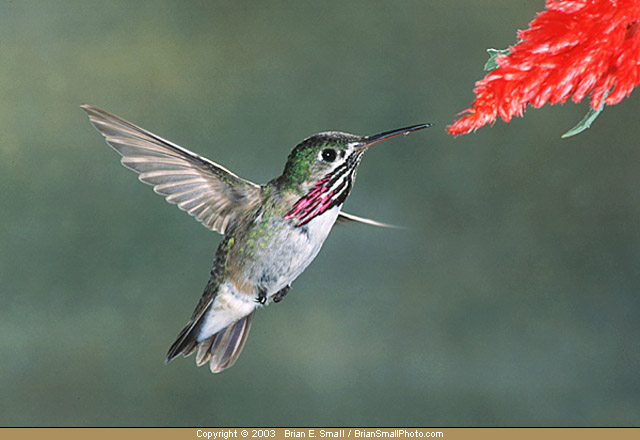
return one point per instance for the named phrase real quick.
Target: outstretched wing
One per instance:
(343, 217)
(204, 189)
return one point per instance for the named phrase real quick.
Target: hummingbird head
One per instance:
(322, 168)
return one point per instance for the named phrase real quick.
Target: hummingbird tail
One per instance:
(221, 350)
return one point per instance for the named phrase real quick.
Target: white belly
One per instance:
(288, 253)
(228, 306)
(276, 264)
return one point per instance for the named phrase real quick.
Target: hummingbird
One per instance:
(271, 232)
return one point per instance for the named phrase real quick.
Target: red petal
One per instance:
(569, 49)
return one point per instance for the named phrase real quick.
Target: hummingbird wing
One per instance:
(343, 217)
(205, 190)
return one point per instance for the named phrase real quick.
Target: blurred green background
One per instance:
(512, 298)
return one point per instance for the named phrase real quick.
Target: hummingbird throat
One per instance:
(332, 190)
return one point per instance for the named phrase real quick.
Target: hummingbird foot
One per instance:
(262, 297)
(281, 294)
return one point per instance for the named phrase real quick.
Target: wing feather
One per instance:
(343, 217)
(207, 191)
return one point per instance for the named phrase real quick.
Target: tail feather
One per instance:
(204, 351)
(184, 344)
(221, 350)
(229, 343)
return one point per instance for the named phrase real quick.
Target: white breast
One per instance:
(288, 253)
(284, 256)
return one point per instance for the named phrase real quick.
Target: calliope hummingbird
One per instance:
(272, 232)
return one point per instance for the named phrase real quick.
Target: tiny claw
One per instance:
(281, 294)
(262, 297)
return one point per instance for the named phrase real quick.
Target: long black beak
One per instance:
(370, 140)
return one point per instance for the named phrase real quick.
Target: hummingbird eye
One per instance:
(329, 154)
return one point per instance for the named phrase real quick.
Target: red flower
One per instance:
(571, 48)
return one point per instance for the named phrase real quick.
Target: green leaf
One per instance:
(493, 54)
(588, 119)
